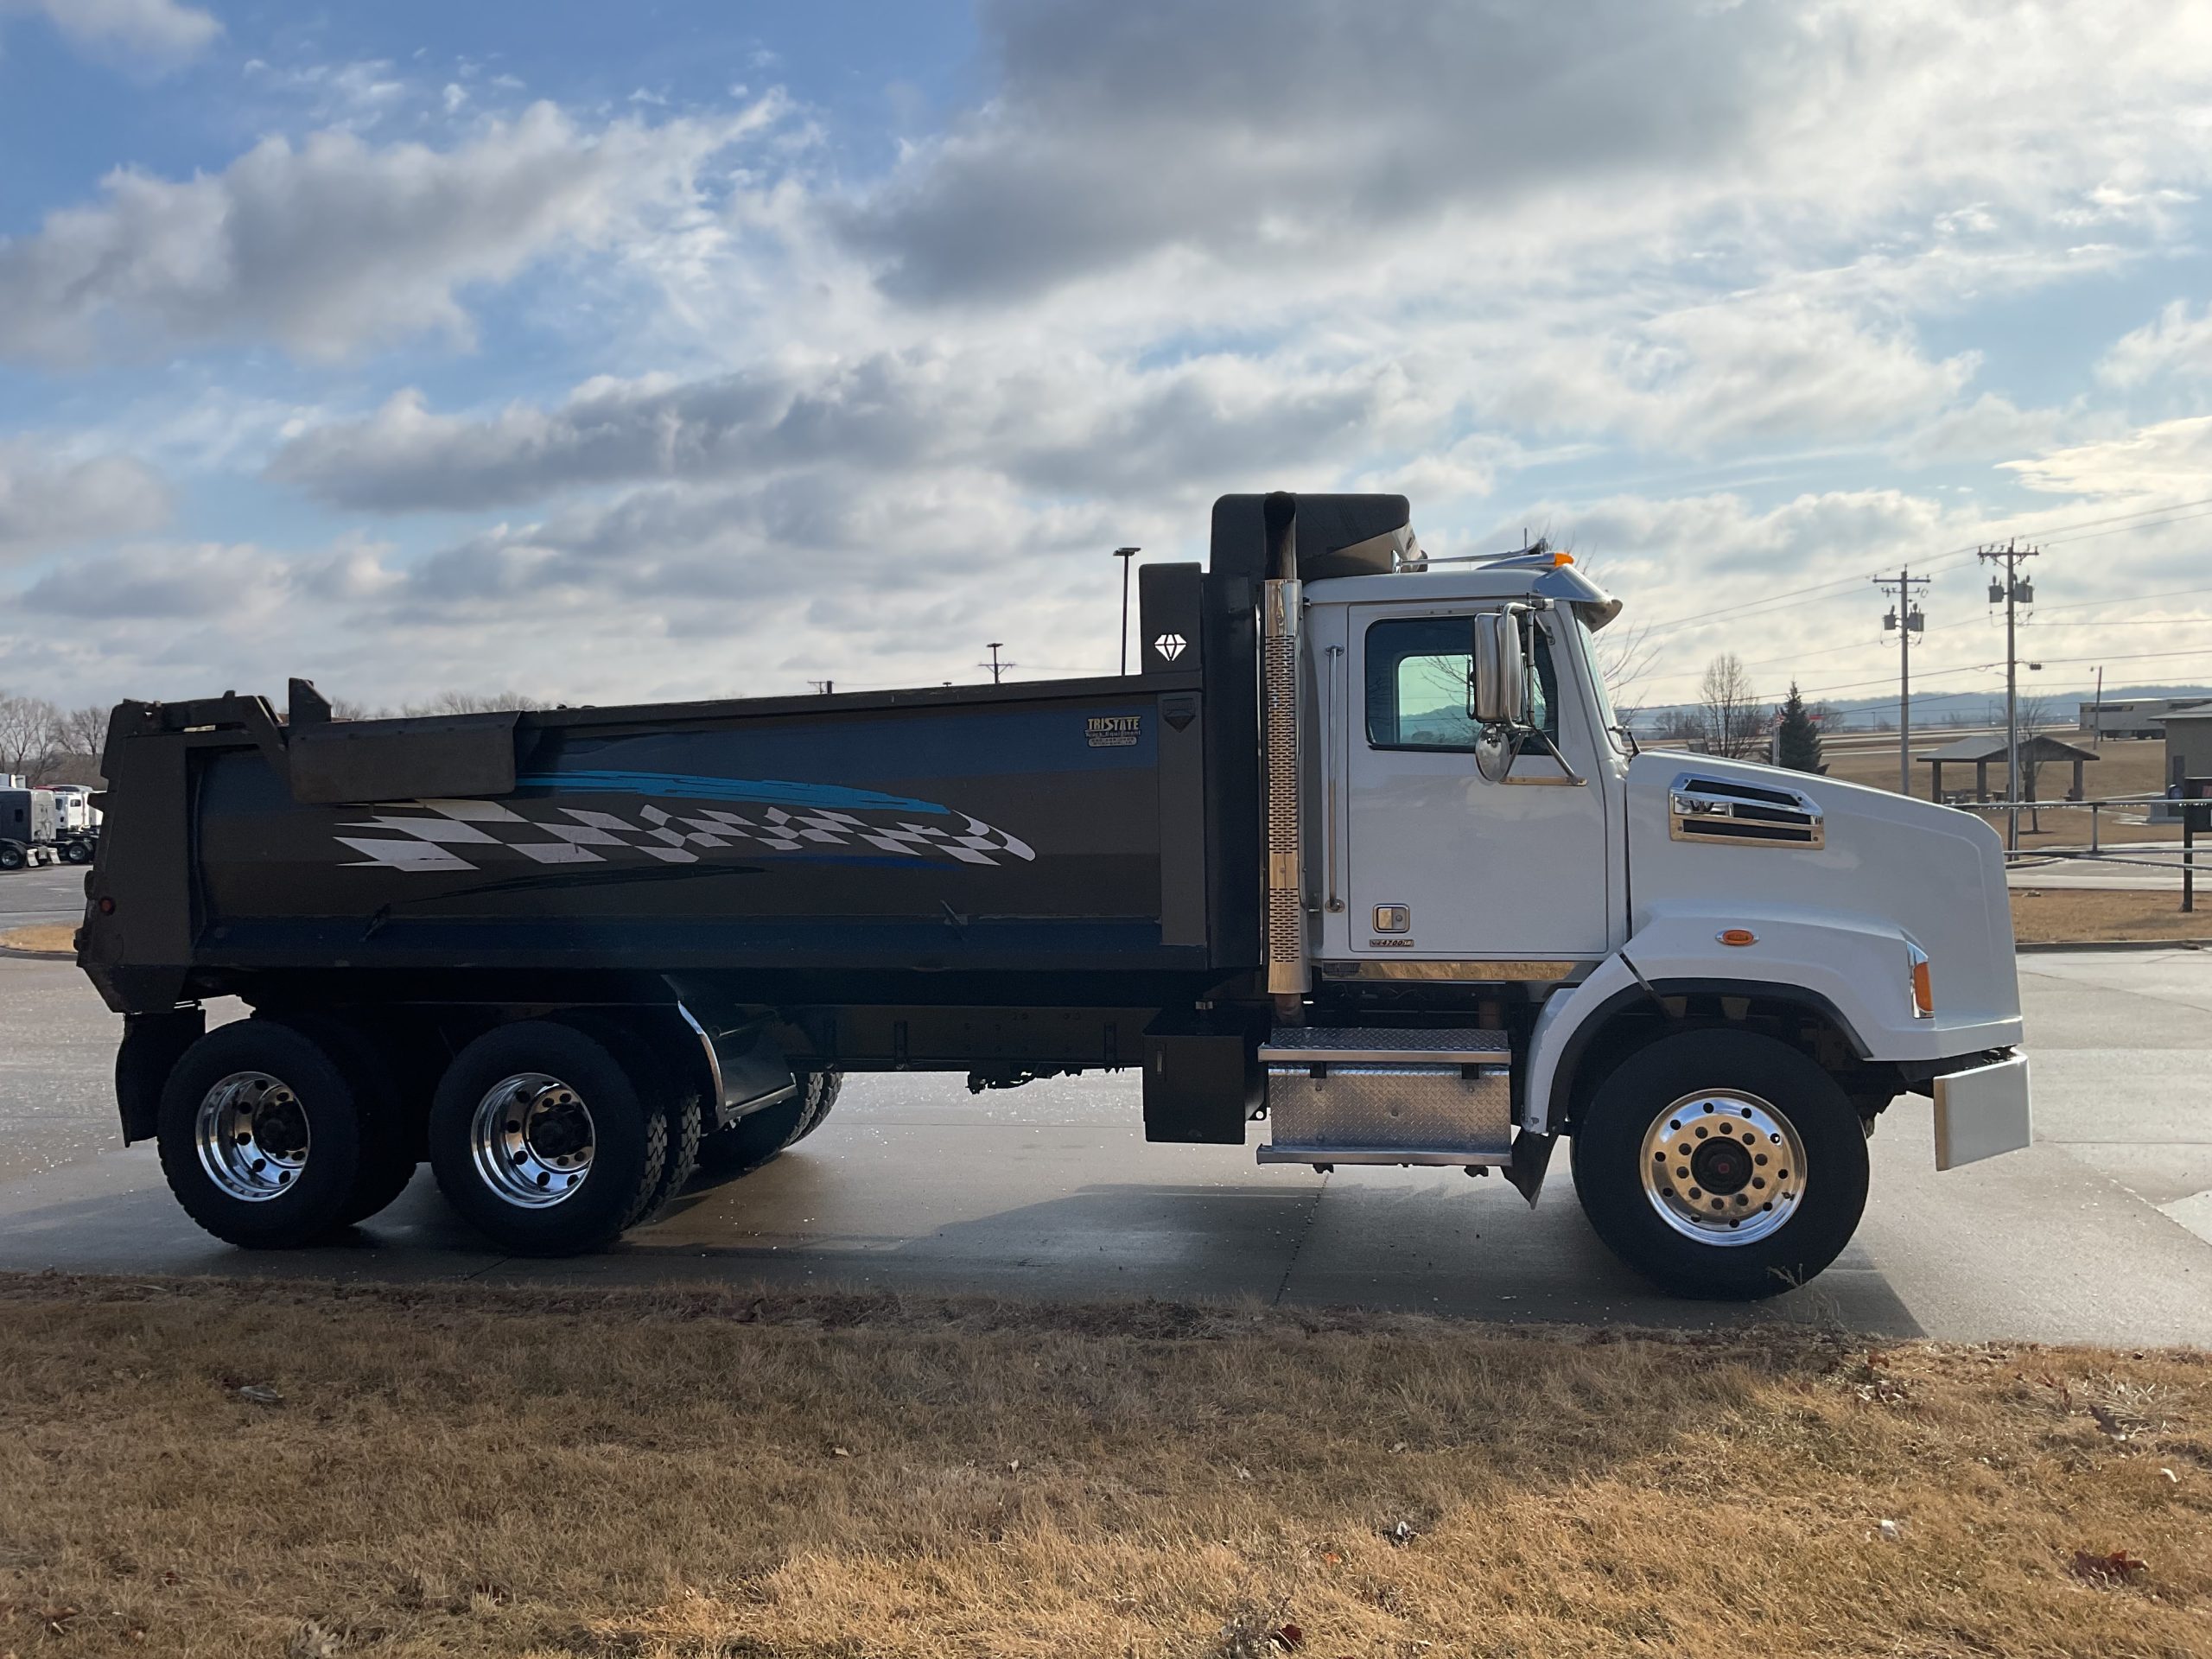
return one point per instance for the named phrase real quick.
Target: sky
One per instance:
(675, 348)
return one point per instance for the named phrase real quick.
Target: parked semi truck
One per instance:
(30, 828)
(1360, 860)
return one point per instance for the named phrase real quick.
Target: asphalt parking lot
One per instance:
(2101, 1231)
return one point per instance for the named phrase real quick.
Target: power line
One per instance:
(2152, 518)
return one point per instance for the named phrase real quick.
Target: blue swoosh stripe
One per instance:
(773, 791)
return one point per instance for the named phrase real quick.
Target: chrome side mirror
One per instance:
(1497, 691)
(1497, 745)
(1497, 685)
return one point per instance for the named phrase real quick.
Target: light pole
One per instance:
(1126, 556)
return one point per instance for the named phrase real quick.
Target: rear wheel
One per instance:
(77, 852)
(389, 1138)
(544, 1141)
(12, 856)
(1721, 1164)
(758, 1137)
(260, 1134)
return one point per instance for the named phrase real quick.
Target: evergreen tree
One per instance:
(1800, 735)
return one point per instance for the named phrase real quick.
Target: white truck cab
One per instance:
(1713, 975)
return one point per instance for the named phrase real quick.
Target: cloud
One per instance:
(2172, 459)
(162, 582)
(336, 244)
(1066, 424)
(2175, 343)
(156, 33)
(1285, 137)
(46, 502)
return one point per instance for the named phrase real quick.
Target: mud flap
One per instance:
(1532, 1156)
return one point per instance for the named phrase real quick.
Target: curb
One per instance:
(9, 950)
(2034, 946)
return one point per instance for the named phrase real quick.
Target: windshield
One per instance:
(1614, 730)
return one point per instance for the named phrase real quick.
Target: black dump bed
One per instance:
(1064, 842)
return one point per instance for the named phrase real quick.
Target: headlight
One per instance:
(1923, 989)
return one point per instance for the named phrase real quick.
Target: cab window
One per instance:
(1417, 669)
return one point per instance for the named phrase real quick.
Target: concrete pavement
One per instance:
(52, 892)
(2101, 1231)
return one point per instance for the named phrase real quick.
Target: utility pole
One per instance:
(996, 667)
(2097, 718)
(2013, 591)
(1904, 616)
(1126, 554)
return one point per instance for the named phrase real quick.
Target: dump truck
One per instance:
(1359, 862)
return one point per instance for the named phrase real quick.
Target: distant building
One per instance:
(2135, 717)
(2189, 744)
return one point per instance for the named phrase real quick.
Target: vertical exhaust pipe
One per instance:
(1280, 607)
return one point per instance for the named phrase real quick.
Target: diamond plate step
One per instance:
(1356, 1094)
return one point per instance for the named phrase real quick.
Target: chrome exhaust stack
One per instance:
(1280, 603)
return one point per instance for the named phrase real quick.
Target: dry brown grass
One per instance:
(459, 1470)
(2048, 915)
(43, 937)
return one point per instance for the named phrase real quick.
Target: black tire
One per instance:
(388, 1157)
(627, 1140)
(12, 857)
(311, 1113)
(685, 1117)
(1730, 1243)
(822, 1089)
(758, 1137)
(76, 852)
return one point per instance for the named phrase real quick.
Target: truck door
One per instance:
(1441, 865)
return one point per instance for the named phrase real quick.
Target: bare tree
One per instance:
(82, 732)
(1734, 719)
(1625, 658)
(2033, 714)
(27, 738)
(471, 703)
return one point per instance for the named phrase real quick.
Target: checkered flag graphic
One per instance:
(474, 835)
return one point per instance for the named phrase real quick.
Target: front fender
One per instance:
(1856, 971)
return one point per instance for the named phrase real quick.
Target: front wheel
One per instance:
(1721, 1164)
(76, 852)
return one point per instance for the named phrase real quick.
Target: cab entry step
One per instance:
(1352, 1095)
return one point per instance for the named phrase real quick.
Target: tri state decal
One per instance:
(782, 817)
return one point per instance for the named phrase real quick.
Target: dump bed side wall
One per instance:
(1026, 833)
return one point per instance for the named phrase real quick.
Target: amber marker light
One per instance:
(1737, 935)
(1923, 985)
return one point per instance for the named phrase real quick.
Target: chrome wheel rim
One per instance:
(531, 1139)
(1723, 1167)
(252, 1137)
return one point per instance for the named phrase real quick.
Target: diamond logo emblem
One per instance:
(1170, 645)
